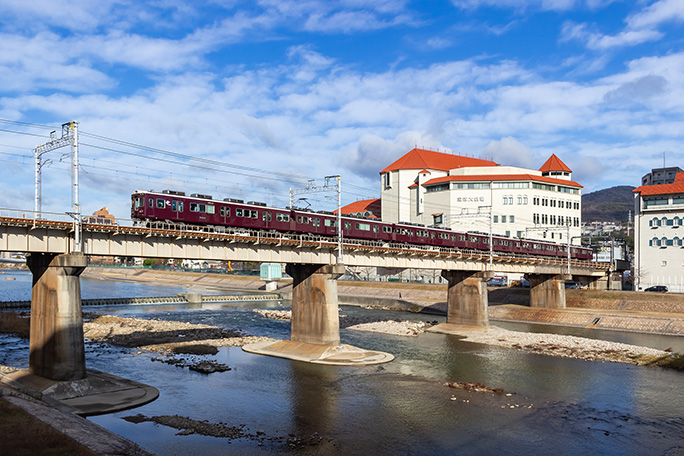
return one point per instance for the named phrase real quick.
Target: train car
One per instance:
(197, 209)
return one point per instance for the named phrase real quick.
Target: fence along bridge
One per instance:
(57, 350)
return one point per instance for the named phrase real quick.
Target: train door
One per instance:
(177, 210)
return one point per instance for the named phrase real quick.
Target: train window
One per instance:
(202, 208)
(238, 212)
(161, 204)
(283, 217)
(255, 214)
(473, 239)
(180, 206)
(316, 221)
(329, 222)
(194, 207)
(150, 202)
(432, 235)
(363, 226)
(174, 206)
(211, 209)
(266, 216)
(462, 237)
(347, 225)
(410, 233)
(386, 229)
(376, 228)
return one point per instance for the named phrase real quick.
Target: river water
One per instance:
(556, 405)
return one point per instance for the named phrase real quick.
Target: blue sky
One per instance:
(246, 99)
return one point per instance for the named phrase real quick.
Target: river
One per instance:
(550, 405)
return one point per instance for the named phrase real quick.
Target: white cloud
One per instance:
(509, 151)
(657, 13)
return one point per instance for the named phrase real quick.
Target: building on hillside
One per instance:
(659, 235)
(469, 194)
(659, 176)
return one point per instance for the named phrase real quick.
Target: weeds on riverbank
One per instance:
(15, 323)
(673, 361)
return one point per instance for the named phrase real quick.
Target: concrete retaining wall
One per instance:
(671, 325)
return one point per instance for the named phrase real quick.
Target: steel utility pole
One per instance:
(69, 138)
(327, 187)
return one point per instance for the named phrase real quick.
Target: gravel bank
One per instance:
(161, 335)
(395, 327)
(565, 346)
(546, 344)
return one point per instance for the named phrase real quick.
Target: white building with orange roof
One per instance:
(469, 194)
(659, 235)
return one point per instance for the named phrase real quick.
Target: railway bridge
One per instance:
(58, 254)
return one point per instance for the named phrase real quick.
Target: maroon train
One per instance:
(203, 210)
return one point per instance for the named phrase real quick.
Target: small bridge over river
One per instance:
(56, 261)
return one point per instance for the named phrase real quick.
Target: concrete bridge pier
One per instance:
(547, 291)
(315, 314)
(467, 299)
(615, 280)
(57, 350)
(315, 332)
(57, 367)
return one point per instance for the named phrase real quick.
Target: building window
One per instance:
(437, 188)
(437, 219)
(471, 185)
(512, 219)
(496, 219)
(386, 180)
(503, 219)
(656, 201)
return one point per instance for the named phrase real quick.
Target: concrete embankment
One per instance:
(655, 313)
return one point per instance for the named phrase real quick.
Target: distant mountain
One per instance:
(608, 205)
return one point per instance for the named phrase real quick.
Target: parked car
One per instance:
(497, 282)
(572, 284)
(522, 283)
(657, 289)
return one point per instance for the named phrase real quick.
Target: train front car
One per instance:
(138, 205)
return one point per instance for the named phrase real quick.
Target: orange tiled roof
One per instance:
(554, 164)
(369, 205)
(428, 159)
(502, 177)
(663, 189)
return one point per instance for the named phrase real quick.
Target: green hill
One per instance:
(608, 205)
